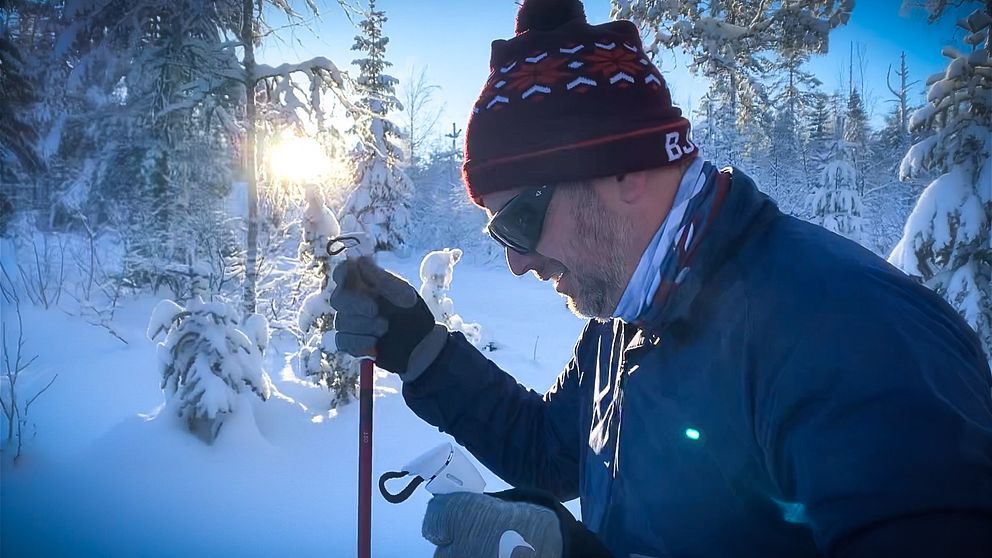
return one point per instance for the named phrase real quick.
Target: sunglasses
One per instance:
(518, 224)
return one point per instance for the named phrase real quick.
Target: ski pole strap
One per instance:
(402, 495)
(345, 242)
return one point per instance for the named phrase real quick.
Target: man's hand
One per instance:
(467, 524)
(511, 524)
(381, 315)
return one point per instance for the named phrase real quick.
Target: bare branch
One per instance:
(889, 84)
(43, 390)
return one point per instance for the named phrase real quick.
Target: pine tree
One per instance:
(947, 240)
(729, 42)
(716, 128)
(795, 92)
(380, 201)
(856, 134)
(144, 150)
(19, 157)
(785, 181)
(897, 122)
(209, 360)
(889, 201)
(895, 137)
(836, 203)
(818, 136)
(18, 93)
(319, 359)
(165, 106)
(53, 111)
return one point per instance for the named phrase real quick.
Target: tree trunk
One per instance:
(251, 250)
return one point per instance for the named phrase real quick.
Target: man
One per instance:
(748, 384)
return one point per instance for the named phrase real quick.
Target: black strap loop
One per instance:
(344, 242)
(402, 495)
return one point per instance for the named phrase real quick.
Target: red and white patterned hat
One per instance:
(568, 101)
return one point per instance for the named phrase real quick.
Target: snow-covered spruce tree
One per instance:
(729, 42)
(784, 164)
(18, 138)
(836, 203)
(319, 359)
(185, 77)
(794, 95)
(717, 128)
(818, 134)
(209, 361)
(947, 241)
(856, 133)
(380, 201)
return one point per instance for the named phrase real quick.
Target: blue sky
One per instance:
(451, 39)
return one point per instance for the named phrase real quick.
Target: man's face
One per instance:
(581, 248)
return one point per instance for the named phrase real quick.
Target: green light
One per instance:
(692, 433)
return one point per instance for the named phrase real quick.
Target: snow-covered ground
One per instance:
(106, 475)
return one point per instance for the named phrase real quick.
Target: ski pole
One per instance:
(365, 460)
(365, 382)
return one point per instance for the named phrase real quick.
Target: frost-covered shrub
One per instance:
(319, 358)
(436, 271)
(209, 360)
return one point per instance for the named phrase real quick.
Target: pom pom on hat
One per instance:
(546, 15)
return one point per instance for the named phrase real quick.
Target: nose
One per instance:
(519, 263)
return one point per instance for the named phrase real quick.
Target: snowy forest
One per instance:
(169, 202)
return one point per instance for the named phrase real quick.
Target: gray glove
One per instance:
(465, 524)
(379, 314)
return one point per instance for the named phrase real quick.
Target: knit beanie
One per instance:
(567, 101)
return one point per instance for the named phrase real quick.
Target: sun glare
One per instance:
(299, 159)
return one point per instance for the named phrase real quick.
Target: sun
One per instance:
(299, 159)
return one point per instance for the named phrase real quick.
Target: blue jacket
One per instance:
(797, 396)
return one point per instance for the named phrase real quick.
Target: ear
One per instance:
(630, 188)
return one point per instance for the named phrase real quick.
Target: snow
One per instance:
(111, 472)
(206, 360)
(317, 218)
(922, 115)
(256, 327)
(314, 305)
(917, 156)
(930, 217)
(436, 274)
(163, 315)
(263, 71)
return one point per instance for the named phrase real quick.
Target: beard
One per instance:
(598, 271)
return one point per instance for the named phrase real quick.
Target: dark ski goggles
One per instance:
(518, 224)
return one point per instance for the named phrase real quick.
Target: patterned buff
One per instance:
(567, 101)
(703, 209)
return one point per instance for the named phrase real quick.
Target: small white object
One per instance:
(436, 272)
(446, 469)
(509, 541)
